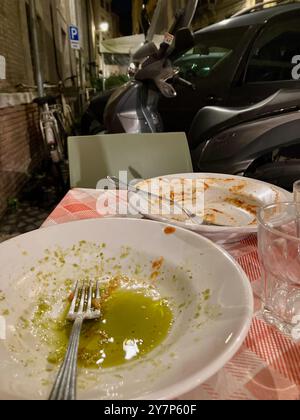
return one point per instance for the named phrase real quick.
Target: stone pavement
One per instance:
(25, 218)
(33, 205)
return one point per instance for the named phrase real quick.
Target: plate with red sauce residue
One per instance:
(227, 204)
(175, 308)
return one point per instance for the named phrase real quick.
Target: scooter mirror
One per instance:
(184, 40)
(145, 51)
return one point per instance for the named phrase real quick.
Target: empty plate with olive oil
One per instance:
(174, 307)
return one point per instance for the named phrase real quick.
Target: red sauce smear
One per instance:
(169, 230)
(157, 264)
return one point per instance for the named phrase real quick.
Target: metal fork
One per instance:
(81, 310)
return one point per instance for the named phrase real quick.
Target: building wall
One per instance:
(21, 145)
(13, 45)
(102, 13)
(209, 11)
(20, 149)
(136, 13)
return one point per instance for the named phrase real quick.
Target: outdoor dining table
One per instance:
(267, 366)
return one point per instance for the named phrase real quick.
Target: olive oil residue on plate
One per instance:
(132, 325)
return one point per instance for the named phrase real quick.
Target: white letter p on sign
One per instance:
(74, 33)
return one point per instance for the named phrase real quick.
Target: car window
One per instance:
(209, 52)
(272, 58)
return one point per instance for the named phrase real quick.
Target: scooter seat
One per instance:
(212, 119)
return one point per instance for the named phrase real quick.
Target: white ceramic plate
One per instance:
(205, 334)
(226, 200)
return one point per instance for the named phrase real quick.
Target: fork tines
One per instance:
(82, 303)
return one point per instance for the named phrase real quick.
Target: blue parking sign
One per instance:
(74, 33)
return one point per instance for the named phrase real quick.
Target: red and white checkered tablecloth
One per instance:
(267, 367)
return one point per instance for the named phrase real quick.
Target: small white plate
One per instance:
(226, 200)
(205, 334)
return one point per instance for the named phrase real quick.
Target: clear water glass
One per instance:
(297, 192)
(279, 252)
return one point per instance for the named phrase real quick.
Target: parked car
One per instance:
(237, 62)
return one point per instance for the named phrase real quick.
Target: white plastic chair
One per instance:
(92, 158)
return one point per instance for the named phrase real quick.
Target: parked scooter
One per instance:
(261, 141)
(133, 108)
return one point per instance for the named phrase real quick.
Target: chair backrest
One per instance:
(92, 158)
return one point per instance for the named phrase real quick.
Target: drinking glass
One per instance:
(297, 192)
(279, 252)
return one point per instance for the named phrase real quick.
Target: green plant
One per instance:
(110, 83)
(117, 80)
(13, 204)
(97, 84)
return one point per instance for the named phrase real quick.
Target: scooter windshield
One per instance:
(170, 16)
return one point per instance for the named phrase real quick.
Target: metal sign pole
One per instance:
(102, 61)
(36, 52)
